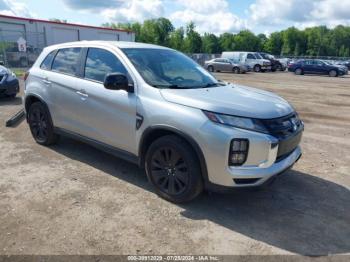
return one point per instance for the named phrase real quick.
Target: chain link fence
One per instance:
(11, 55)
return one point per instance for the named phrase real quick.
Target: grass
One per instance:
(18, 71)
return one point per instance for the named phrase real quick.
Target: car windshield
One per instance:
(166, 68)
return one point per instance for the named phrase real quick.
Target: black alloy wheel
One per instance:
(40, 124)
(173, 168)
(170, 171)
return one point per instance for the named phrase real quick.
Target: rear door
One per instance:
(62, 89)
(108, 116)
(308, 66)
(220, 64)
(227, 65)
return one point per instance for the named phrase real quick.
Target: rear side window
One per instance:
(46, 64)
(66, 61)
(100, 62)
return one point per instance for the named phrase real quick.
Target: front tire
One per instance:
(210, 68)
(333, 73)
(40, 124)
(298, 71)
(172, 167)
(257, 68)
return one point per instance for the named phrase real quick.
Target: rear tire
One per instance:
(236, 70)
(298, 71)
(333, 73)
(40, 124)
(172, 167)
(257, 68)
(210, 68)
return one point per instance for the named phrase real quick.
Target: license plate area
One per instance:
(287, 145)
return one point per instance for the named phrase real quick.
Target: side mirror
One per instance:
(118, 81)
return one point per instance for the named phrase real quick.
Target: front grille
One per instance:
(288, 130)
(283, 127)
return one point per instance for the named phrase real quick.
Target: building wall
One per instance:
(53, 33)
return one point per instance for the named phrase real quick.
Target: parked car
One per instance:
(156, 107)
(284, 61)
(224, 65)
(253, 59)
(276, 65)
(9, 84)
(315, 66)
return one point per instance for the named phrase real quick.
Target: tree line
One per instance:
(312, 41)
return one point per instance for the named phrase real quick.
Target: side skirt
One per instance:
(99, 145)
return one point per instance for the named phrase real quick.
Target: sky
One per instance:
(212, 16)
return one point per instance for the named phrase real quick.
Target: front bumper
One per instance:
(9, 87)
(262, 162)
(255, 176)
(266, 67)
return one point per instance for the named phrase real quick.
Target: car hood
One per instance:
(3, 70)
(232, 100)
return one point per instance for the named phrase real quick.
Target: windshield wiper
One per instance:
(212, 85)
(171, 86)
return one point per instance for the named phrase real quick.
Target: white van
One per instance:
(253, 59)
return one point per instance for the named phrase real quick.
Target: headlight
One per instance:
(11, 75)
(237, 121)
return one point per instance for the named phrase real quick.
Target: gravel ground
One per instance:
(73, 199)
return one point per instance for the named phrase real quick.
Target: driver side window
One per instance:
(100, 62)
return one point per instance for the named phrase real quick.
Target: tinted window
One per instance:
(46, 64)
(66, 61)
(250, 56)
(100, 62)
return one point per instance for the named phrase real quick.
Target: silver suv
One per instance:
(156, 107)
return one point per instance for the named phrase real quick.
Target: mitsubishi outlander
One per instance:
(156, 107)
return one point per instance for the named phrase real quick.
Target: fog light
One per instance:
(238, 152)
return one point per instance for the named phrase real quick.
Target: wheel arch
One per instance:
(334, 69)
(32, 98)
(154, 132)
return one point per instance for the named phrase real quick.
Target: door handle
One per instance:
(82, 93)
(46, 81)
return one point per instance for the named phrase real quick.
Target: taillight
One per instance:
(26, 75)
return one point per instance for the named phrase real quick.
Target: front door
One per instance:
(109, 116)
